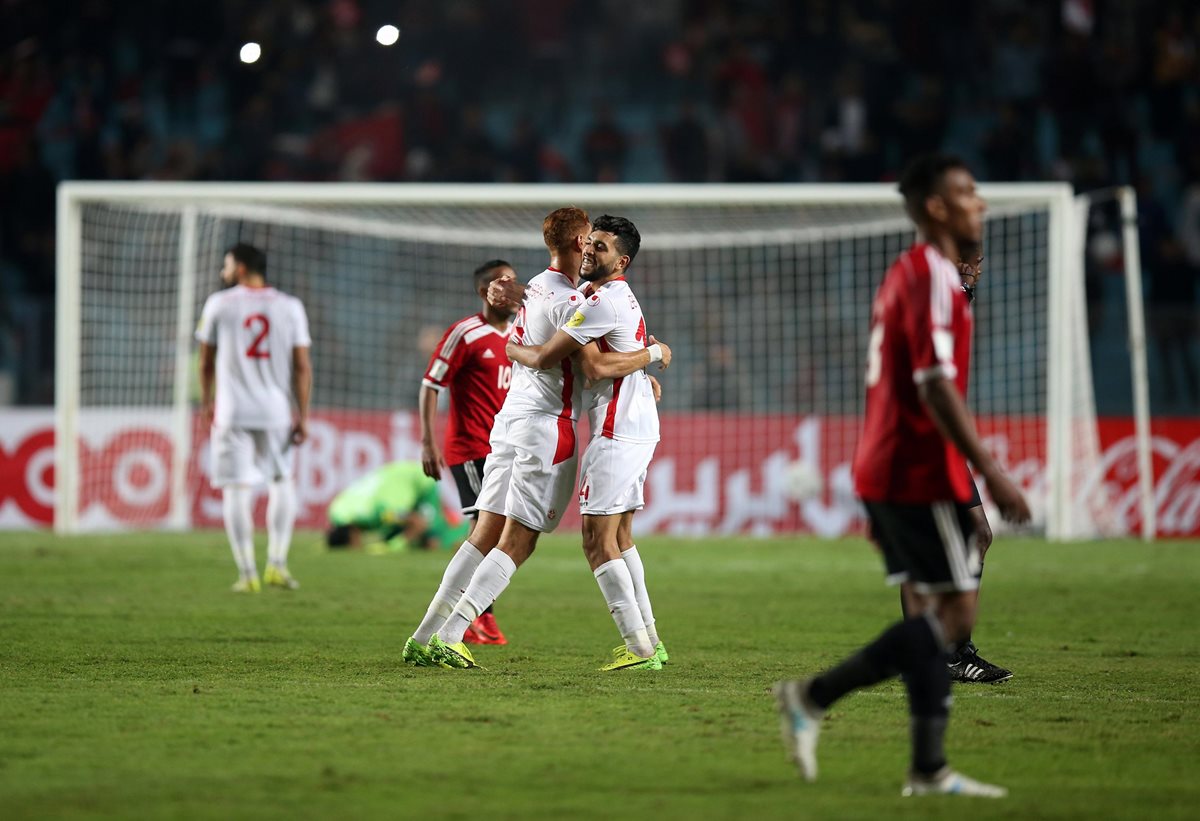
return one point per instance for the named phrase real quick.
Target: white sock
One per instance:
(617, 586)
(488, 582)
(281, 519)
(637, 572)
(454, 583)
(236, 504)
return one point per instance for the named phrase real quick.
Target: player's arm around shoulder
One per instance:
(597, 365)
(543, 357)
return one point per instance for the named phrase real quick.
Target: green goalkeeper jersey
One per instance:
(383, 500)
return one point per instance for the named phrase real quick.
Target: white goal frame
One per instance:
(1066, 304)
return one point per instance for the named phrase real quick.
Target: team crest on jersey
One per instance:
(574, 299)
(594, 299)
(575, 321)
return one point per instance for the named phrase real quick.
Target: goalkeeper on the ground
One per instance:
(395, 507)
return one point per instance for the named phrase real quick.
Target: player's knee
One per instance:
(518, 541)
(485, 534)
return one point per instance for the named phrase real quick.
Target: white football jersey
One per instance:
(550, 299)
(622, 408)
(254, 331)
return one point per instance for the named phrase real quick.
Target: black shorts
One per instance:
(468, 476)
(976, 499)
(933, 546)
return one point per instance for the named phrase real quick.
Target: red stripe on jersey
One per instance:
(566, 429)
(610, 416)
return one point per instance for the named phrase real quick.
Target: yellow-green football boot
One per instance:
(451, 655)
(418, 655)
(624, 659)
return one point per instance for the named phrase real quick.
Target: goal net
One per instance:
(763, 293)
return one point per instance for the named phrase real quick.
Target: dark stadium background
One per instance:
(1097, 92)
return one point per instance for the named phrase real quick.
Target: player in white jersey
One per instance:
(624, 423)
(254, 345)
(530, 473)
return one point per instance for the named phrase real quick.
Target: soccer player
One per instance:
(965, 663)
(910, 470)
(530, 472)
(471, 362)
(624, 423)
(254, 345)
(397, 502)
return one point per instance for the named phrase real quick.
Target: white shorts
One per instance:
(245, 456)
(612, 476)
(530, 473)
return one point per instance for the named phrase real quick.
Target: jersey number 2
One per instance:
(258, 348)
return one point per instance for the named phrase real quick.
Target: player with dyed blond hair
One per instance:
(624, 423)
(254, 351)
(529, 475)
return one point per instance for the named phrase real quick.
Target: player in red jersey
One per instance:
(965, 663)
(910, 470)
(471, 362)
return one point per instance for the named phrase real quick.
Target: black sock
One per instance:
(899, 649)
(928, 733)
(904, 606)
(928, 683)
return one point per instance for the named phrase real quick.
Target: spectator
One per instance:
(685, 146)
(604, 147)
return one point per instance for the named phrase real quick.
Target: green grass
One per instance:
(133, 684)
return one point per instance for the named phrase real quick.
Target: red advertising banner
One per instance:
(712, 473)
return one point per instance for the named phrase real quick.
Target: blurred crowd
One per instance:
(1097, 92)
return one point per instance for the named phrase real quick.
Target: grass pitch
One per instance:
(133, 684)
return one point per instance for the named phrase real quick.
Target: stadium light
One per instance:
(250, 53)
(387, 35)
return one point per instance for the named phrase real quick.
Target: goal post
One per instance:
(763, 291)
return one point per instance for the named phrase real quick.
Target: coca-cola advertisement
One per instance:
(712, 473)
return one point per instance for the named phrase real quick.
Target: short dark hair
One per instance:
(628, 238)
(491, 265)
(338, 536)
(921, 179)
(245, 253)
